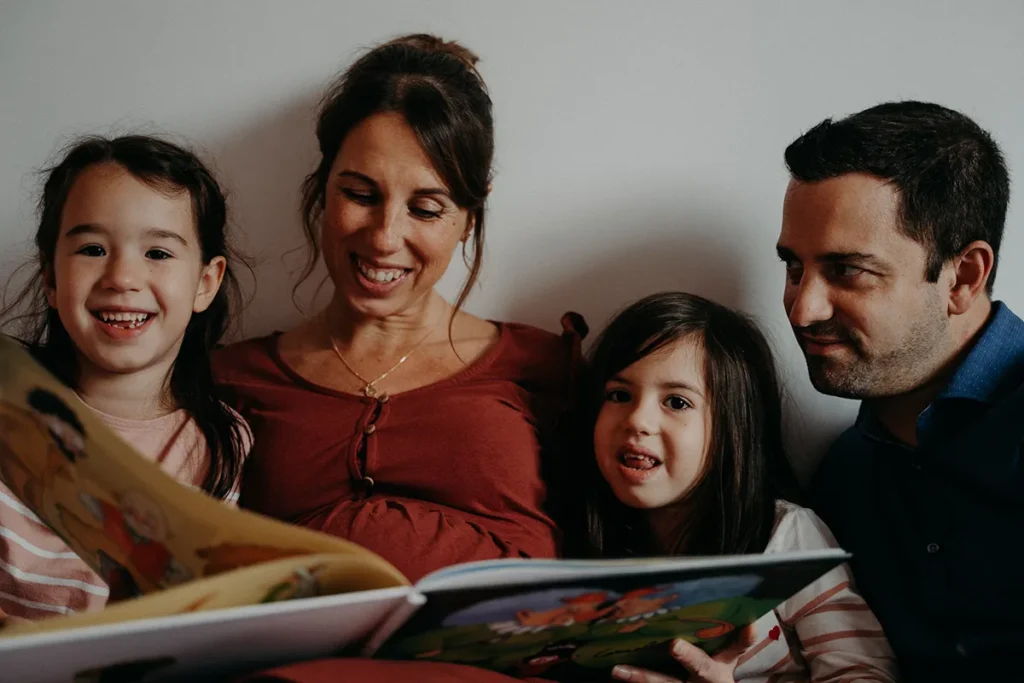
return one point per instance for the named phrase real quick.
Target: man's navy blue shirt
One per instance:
(936, 531)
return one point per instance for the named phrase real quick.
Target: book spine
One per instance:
(393, 622)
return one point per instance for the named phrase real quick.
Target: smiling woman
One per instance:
(393, 418)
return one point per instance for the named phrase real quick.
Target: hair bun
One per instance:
(432, 43)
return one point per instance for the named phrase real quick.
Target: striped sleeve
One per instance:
(40, 576)
(837, 634)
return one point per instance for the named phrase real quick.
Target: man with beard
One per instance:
(891, 229)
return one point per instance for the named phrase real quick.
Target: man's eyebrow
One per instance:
(853, 258)
(856, 258)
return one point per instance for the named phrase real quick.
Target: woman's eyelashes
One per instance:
(371, 198)
(425, 214)
(364, 197)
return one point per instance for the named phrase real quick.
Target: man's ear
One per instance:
(971, 271)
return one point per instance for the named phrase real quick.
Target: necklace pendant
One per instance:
(370, 391)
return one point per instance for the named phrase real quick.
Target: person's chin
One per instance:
(637, 497)
(120, 361)
(833, 381)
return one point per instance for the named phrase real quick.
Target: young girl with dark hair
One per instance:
(130, 295)
(685, 410)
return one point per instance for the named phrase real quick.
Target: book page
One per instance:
(203, 646)
(133, 524)
(572, 620)
(291, 578)
(521, 572)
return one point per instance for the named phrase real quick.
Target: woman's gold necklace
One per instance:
(370, 390)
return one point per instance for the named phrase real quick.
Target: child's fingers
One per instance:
(745, 640)
(635, 675)
(702, 667)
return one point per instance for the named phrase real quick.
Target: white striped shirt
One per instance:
(826, 633)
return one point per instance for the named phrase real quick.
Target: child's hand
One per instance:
(701, 667)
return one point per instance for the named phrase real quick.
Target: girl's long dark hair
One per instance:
(733, 504)
(164, 166)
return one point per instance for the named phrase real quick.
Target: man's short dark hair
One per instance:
(951, 176)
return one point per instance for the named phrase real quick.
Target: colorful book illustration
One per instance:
(201, 589)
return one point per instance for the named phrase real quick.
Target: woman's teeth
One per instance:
(382, 275)
(123, 320)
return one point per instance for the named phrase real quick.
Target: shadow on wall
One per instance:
(695, 256)
(263, 163)
(700, 256)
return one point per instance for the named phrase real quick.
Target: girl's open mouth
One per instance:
(122, 320)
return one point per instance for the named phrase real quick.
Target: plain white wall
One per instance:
(639, 145)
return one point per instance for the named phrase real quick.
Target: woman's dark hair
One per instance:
(168, 168)
(435, 87)
(733, 503)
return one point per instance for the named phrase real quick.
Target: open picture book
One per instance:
(210, 591)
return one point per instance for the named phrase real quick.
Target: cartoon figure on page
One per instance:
(49, 427)
(130, 538)
(573, 633)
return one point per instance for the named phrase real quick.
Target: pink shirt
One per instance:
(40, 575)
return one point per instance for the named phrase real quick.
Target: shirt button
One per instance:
(370, 429)
(932, 548)
(368, 482)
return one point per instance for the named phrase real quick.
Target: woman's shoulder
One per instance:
(546, 365)
(541, 352)
(798, 528)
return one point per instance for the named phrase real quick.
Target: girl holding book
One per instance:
(684, 408)
(130, 294)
